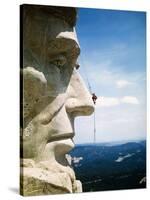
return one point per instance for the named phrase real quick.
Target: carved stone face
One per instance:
(54, 93)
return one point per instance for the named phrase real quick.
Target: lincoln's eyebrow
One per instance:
(59, 45)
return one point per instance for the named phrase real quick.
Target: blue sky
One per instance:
(113, 58)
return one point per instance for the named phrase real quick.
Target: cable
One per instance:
(94, 100)
(86, 76)
(94, 128)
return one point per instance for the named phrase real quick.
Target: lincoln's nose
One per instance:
(79, 99)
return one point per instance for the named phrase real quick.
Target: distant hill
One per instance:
(110, 166)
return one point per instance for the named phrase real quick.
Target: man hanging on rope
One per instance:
(94, 97)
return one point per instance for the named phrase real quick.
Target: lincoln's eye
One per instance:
(59, 61)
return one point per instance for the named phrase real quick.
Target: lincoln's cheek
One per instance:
(35, 86)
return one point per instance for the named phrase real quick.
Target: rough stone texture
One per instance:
(38, 180)
(53, 95)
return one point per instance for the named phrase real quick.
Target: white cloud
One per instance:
(112, 123)
(107, 101)
(122, 83)
(129, 100)
(114, 101)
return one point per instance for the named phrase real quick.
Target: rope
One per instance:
(86, 76)
(91, 92)
(94, 128)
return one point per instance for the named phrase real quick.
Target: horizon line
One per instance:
(116, 141)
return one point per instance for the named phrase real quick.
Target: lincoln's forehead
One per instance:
(67, 14)
(52, 29)
(49, 19)
(49, 28)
